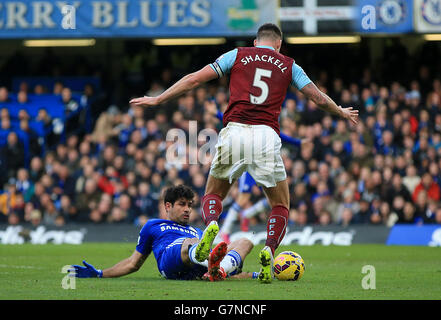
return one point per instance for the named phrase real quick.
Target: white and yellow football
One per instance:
(289, 266)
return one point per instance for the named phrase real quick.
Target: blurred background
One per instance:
(74, 154)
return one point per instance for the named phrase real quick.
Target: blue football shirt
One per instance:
(158, 234)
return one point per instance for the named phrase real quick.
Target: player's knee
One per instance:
(246, 244)
(188, 242)
(242, 201)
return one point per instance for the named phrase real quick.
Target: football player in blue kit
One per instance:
(182, 252)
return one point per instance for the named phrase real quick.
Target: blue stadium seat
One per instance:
(38, 127)
(50, 102)
(76, 84)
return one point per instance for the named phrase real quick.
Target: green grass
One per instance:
(34, 272)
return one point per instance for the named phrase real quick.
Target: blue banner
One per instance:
(413, 235)
(384, 16)
(32, 19)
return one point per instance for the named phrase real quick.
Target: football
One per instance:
(289, 266)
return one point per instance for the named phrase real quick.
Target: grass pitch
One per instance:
(333, 272)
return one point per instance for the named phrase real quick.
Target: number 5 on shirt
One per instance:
(259, 83)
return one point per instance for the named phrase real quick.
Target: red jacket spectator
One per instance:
(431, 187)
(108, 182)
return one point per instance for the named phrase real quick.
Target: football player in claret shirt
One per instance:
(182, 252)
(259, 79)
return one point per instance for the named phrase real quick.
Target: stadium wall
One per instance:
(78, 234)
(399, 234)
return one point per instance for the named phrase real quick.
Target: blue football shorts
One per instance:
(246, 183)
(171, 266)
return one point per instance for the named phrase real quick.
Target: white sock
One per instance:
(257, 208)
(231, 262)
(192, 256)
(232, 214)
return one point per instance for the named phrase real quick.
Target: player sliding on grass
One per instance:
(182, 252)
(259, 79)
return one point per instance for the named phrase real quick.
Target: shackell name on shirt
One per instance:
(165, 228)
(264, 58)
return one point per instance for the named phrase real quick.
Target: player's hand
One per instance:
(145, 101)
(88, 271)
(350, 114)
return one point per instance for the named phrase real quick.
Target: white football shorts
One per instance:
(252, 148)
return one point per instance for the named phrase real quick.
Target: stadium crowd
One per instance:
(383, 171)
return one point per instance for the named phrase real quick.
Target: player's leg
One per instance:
(225, 261)
(261, 206)
(227, 166)
(197, 251)
(248, 187)
(269, 172)
(215, 272)
(238, 250)
(201, 250)
(278, 198)
(175, 262)
(187, 244)
(211, 204)
(236, 207)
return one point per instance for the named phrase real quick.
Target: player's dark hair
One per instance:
(269, 31)
(174, 193)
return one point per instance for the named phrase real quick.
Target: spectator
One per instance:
(325, 218)
(71, 107)
(34, 138)
(8, 199)
(87, 200)
(104, 128)
(411, 179)
(126, 210)
(428, 185)
(117, 215)
(346, 217)
(103, 209)
(35, 218)
(12, 155)
(298, 217)
(24, 184)
(58, 88)
(405, 211)
(397, 188)
(67, 210)
(4, 96)
(144, 204)
(22, 97)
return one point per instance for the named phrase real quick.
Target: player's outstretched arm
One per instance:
(187, 83)
(126, 266)
(327, 104)
(122, 268)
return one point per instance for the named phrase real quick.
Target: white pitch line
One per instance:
(18, 267)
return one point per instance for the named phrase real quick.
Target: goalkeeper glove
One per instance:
(88, 271)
